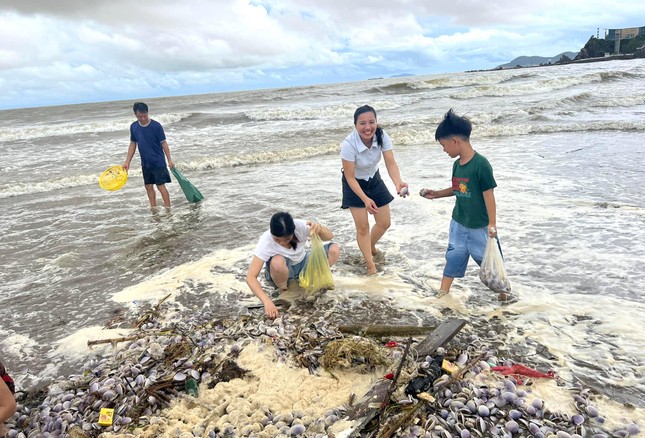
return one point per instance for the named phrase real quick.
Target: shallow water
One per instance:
(566, 144)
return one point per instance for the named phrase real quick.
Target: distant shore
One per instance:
(577, 61)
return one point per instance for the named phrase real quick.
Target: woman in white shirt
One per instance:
(363, 189)
(281, 250)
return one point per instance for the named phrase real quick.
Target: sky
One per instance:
(75, 51)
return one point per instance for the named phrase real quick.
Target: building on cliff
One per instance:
(625, 33)
(618, 35)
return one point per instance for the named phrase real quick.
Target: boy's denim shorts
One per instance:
(294, 268)
(464, 242)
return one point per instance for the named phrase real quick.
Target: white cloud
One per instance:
(73, 50)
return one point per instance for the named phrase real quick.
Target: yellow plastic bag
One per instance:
(316, 274)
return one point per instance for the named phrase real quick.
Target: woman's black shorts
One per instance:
(374, 188)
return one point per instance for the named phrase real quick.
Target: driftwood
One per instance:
(146, 317)
(376, 398)
(150, 314)
(392, 388)
(113, 340)
(391, 428)
(385, 330)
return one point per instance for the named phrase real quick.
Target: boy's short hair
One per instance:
(140, 107)
(453, 125)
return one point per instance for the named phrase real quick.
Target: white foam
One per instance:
(170, 282)
(35, 131)
(75, 345)
(267, 156)
(341, 111)
(17, 345)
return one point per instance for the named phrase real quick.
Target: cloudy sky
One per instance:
(71, 51)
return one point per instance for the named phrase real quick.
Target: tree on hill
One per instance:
(632, 44)
(597, 47)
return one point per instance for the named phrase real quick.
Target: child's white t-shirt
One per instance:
(267, 247)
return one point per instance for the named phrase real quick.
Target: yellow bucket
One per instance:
(113, 178)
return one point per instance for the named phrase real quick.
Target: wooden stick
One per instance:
(384, 330)
(395, 425)
(468, 366)
(113, 340)
(395, 378)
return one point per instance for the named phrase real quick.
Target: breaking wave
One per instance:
(32, 132)
(233, 160)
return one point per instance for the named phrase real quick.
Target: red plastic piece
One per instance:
(522, 370)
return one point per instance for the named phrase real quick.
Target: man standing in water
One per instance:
(149, 137)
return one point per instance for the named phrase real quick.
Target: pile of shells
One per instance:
(141, 379)
(143, 376)
(465, 409)
(483, 403)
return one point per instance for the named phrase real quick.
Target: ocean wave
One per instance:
(345, 111)
(471, 79)
(201, 119)
(258, 157)
(341, 111)
(32, 132)
(550, 104)
(399, 87)
(586, 100)
(519, 77)
(608, 76)
(437, 83)
(233, 160)
(524, 129)
(621, 102)
(410, 136)
(542, 86)
(18, 189)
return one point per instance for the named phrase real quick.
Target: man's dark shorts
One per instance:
(155, 175)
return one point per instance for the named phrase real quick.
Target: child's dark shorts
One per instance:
(374, 188)
(155, 175)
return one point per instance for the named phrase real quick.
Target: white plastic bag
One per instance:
(492, 272)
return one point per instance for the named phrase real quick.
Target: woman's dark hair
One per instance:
(282, 225)
(453, 125)
(368, 109)
(140, 107)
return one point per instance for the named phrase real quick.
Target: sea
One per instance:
(566, 142)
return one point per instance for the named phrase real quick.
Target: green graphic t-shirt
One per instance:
(469, 182)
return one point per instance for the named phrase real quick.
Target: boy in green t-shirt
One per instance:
(474, 215)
